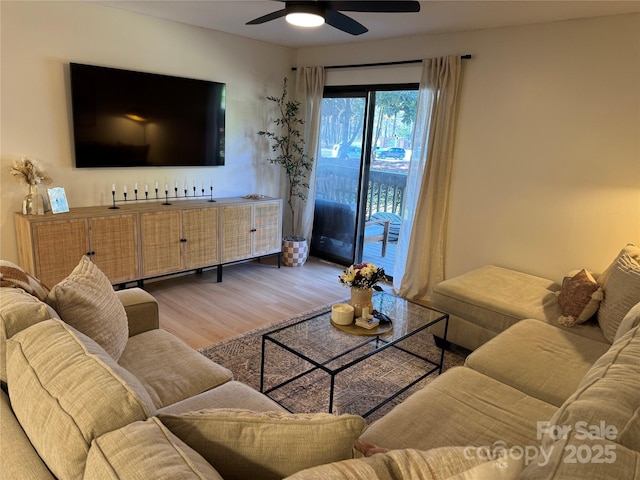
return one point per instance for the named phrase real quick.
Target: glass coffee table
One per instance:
(317, 345)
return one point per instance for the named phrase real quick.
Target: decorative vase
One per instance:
(361, 297)
(294, 252)
(34, 203)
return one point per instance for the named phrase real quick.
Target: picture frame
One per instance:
(58, 200)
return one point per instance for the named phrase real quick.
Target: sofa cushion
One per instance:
(232, 394)
(409, 464)
(545, 362)
(243, 444)
(579, 299)
(12, 275)
(142, 451)
(496, 298)
(18, 310)
(18, 458)
(66, 390)
(578, 457)
(86, 301)
(621, 292)
(169, 369)
(460, 407)
(609, 393)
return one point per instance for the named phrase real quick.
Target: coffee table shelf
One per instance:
(329, 349)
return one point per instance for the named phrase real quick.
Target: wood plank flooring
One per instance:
(201, 311)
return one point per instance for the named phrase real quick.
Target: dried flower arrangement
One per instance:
(30, 172)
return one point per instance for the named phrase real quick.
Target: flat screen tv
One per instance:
(123, 118)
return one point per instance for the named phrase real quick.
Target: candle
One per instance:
(156, 185)
(125, 189)
(113, 187)
(176, 184)
(166, 187)
(136, 186)
(146, 187)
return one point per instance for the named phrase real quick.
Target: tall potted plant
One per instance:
(287, 143)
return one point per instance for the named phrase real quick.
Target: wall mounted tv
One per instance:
(123, 118)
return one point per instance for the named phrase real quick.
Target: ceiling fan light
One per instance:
(304, 19)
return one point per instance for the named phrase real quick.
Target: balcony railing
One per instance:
(385, 191)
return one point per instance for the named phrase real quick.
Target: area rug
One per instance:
(357, 389)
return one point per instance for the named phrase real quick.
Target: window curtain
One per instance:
(309, 91)
(422, 241)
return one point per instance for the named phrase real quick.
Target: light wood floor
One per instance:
(200, 311)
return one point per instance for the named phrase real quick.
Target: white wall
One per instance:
(547, 156)
(39, 39)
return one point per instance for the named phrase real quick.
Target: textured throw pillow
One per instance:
(579, 299)
(621, 292)
(630, 321)
(629, 249)
(243, 444)
(145, 450)
(86, 301)
(11, 275)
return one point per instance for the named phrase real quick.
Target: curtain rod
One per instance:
(382, 64)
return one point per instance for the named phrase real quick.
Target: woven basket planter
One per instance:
(294, 252)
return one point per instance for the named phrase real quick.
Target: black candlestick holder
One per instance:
(114, 206)
(166, 197)
(136, 198)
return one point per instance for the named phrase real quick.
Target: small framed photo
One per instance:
(58, 200)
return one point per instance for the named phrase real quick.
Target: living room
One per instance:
(546, 180)
(545, 175)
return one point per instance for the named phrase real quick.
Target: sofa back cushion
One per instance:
(607, 400)
(143, 451)
(66, 390)
(18, 310)
(86, 301)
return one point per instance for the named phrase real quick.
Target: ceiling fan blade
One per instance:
(268, 17)
(376, 6)
(344, 23)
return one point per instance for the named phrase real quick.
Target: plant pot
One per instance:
(294, 252)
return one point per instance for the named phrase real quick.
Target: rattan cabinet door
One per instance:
(200, 234)
(236, 232)
(267, 223)
(160, 235)
(114, 246)
(58, 248)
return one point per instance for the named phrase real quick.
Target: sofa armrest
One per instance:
(141, 308)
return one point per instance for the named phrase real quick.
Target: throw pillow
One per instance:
(145, 450)
(629, 249)
(621, 292)
(579, 299)
(630, 321)
(12, 275)
(243, 444)
(86, 301)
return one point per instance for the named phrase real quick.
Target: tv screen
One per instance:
(123, 118)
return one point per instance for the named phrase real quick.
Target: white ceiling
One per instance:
(230, 16)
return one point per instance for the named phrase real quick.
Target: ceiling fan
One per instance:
(311, 13)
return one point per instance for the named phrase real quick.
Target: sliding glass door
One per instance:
(365, 146)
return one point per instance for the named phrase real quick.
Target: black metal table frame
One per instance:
(334, 372)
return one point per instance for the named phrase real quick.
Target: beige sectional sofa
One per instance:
(75, 407)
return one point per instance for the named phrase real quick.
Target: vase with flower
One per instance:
(30, 173)
(362, 278)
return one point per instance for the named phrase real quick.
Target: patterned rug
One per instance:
(357, 389)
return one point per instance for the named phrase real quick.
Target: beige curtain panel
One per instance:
(421, 248)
